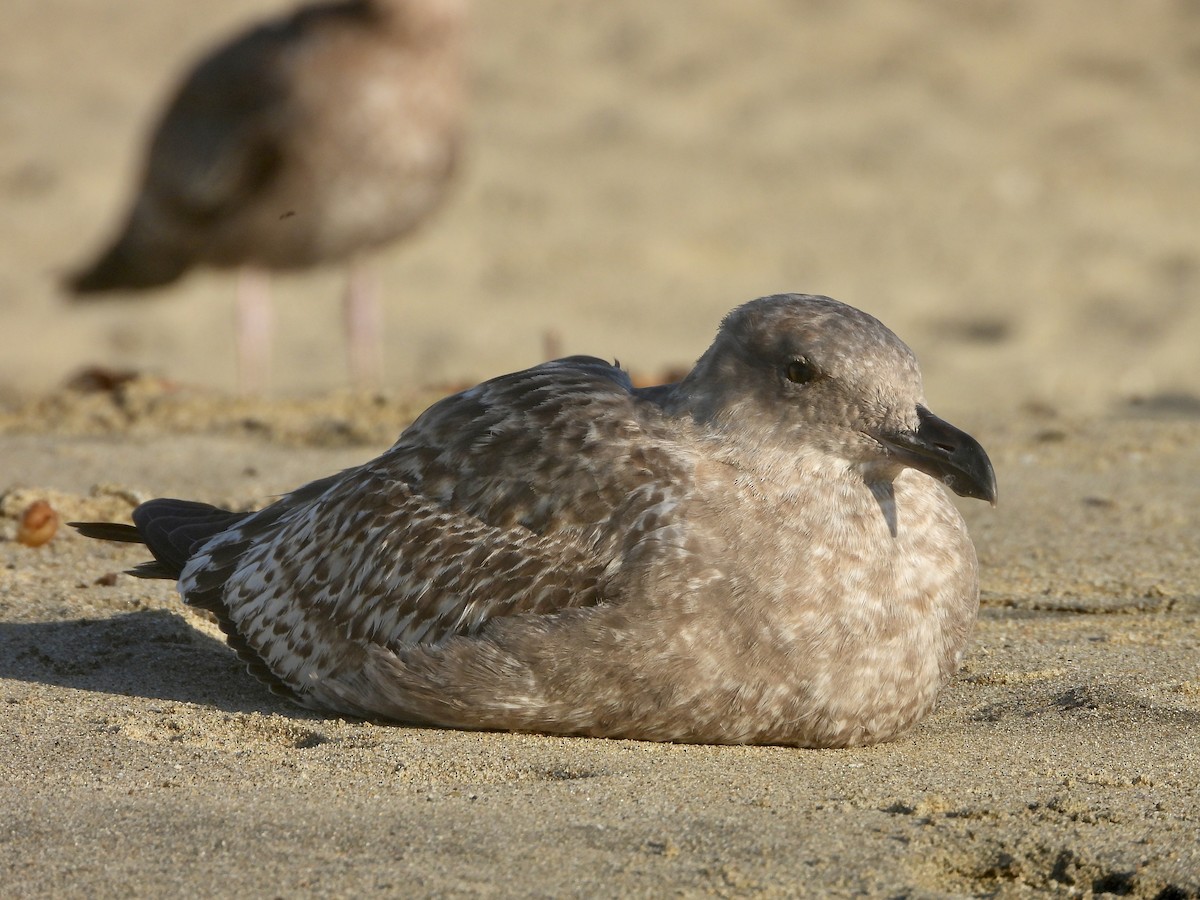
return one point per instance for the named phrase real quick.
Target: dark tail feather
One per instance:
(172, 529)
(152, 570)
(175, 529)
(126, 534)
(108, 531)
(126, 267)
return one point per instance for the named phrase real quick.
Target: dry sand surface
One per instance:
(139, 757)
(1012, 186)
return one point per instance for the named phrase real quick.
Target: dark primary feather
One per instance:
(171, 529)
(127, 265)
(109, 531)
(115, 531)
(174, 529)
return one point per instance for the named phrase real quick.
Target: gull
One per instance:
(308, 139)
(761, 553)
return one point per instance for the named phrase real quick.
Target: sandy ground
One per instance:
(1012, 186)
(141, 759)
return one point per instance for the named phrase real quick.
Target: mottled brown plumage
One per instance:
(306, 140)
(761, 553)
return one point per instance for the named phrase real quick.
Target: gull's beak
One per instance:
(943, 452)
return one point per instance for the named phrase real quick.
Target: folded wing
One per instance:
(515, 498)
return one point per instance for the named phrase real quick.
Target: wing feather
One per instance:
(555, 449)
(219, 141)
(513, 498)
(377, 564)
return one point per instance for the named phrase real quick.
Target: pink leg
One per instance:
(364, 326)
(253, 330)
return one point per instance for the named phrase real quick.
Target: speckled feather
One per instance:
(737, 558)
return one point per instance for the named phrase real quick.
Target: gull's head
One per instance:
(800, 369)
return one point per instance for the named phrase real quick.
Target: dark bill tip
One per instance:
(948, 454)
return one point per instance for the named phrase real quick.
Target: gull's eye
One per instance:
(800, 371)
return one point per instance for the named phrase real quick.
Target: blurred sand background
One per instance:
(1012, 186)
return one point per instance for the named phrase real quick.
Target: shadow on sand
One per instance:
(151, 653)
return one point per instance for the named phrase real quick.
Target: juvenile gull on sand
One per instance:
(761, 553)
(307, 139)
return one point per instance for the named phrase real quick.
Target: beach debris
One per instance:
(37, 525)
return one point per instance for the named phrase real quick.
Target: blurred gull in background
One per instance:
(305, 140)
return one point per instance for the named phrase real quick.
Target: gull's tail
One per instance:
(172, 529)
